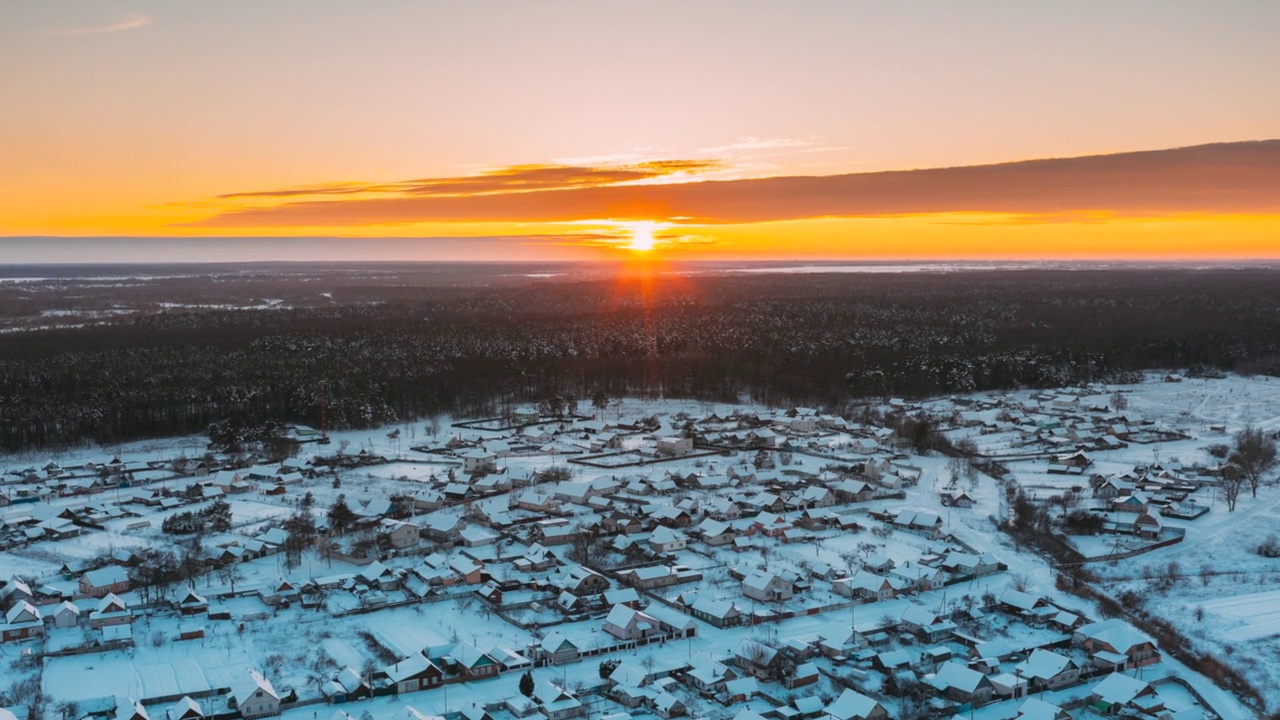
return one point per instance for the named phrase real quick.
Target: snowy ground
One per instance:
(1235, 591)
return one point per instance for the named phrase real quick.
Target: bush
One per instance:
(1270, 548)
(1082, 522)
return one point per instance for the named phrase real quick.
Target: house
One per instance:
(413, 673)
(1118, 691)
(22, 621)
(918, 577)
(716, 532)
(720, 613)
(556, 648)
(628, 684)
(65, 615)
(967, 565)
(466, 660)
(508, 659)
(468, 571)
(556, 703)
(958, 682)
(1037, 709)
(1017, 602)
(852, 491)
(927, 625)
(672, 517)
(1045, 669)
(758, 659)
(477, 460)
(621, 523)
(925, 522)
(627, 623)
(852, 705)
(111, 610)
(535, 559)
(956, 498)
(581, 581)
(443, 528)
(278, 592)
(537, 501)
(192, 604)
(865, 585)
(254, 696)
(13, 591)
(132, 711)
(347, 685)
(398, 533)
(674, 445)
(104, 580)
(766, 587)
(816, 496)
(1116, 645)
(666, 540)
(648, 578)
(672, 622)
(666, 706)
(185, 709)
(722, 509)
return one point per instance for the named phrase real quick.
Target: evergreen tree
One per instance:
(526, 684)
(340, 516)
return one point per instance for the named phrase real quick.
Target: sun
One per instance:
(642, 239)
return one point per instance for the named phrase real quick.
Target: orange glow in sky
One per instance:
(584, 130)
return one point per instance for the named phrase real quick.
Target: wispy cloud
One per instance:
(133, 23)
(1223, 178)
(751, 143)
(517, 178)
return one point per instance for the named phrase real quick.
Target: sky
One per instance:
(695, 130)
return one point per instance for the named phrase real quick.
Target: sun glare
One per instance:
(642, 239)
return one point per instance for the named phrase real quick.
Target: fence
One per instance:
(1178, 535)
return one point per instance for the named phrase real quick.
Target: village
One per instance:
(632, 558)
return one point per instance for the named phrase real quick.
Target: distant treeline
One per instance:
(779, 339)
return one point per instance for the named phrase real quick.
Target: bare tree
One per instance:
(1231, 485)
(1255, 455)
(1119, 401)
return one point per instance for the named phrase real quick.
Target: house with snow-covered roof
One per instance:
(665, 540)
(65, 615)
(22, 621)
(411, 674)
(766, 587)
(958, 682)
(347, 685)
(865, 585)
(104, 580)
(1037, 709)
(853, 705)
(185, 709)
(111, 610)
(627, 623)
(254, 696)
(1116, 645)
(556, 648)
(1118, 691)
(478, 460)
(720, 613)
(1045, 669)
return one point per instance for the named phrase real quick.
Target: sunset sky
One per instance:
(593, 130)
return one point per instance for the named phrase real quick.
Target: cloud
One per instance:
(750, 143)
(133, 23)
(517, 178)
(1242, 177)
